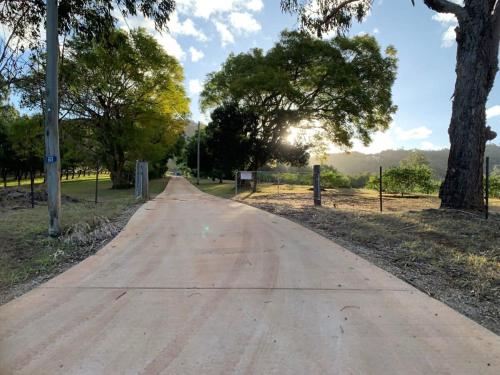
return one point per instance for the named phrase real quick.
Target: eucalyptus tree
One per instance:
(478, 37)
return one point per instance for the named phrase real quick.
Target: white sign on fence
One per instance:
(245, 175)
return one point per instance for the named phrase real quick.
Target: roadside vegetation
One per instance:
(28, 256)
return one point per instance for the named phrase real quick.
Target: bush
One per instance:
(406, 179)
(331, 178)
(495, 185)
(360, 181)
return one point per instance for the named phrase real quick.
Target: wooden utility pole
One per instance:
(52, 157)
(198, 158)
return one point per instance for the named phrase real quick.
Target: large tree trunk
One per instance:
(477, 64)
(120, 178)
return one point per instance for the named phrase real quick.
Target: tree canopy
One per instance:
(124, 97)
(89, 18)
(323, 16)
(478, 40)
(342, 85)
(232, 141)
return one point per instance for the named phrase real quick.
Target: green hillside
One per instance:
(355, 162)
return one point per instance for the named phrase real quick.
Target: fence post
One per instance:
(279, 183)
(236, 183)
(317, 185)
(32, 185)
(487, 189)
(96, 182)
(145, 180)
(141, 180)
(380, 188)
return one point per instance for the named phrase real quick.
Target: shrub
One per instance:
(495, 185)
(330, 178)
(406, 179)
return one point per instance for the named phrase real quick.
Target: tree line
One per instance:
(341, 85)
(121, 99)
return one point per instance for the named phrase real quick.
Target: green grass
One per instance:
(27, 252)
(224, 190)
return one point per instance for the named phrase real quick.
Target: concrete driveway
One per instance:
(200, 285)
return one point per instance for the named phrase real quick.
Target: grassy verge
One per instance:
(453, 256)
(224, 190)
(28, 255)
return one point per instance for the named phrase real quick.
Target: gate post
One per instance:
(141, 180)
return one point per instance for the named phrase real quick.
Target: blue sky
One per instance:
(204, 32)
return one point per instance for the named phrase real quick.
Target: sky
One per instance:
(202, 33)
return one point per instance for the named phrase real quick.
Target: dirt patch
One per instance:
(452, 256)
(19, 198)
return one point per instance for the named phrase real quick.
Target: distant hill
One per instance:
(355, 162)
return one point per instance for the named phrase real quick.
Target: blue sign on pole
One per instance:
(51, 159)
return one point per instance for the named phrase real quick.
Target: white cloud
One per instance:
(244, 21)
(170, 44)
(445, 18)
(254, 5)
(209, 8)
(376, 30)
(196, 55)
(449, 37)
(449, 21)
(205, 8)
(186, 27)
(493, 111)
(226, 36)
(421, 132)
(195, 86)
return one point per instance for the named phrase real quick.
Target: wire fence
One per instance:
(344, 192)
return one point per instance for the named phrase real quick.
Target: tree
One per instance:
(408, 177)
(7, 158)
(342, 85)
(127, 96)
(191, 153)
(89, 18)
(227, 140)
(26, 139)
(23, 20)
(331, 178)
(235, 141)
(478, 37)
(323, 16)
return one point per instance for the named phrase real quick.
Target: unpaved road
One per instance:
(200, 285)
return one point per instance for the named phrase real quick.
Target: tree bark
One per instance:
(120, 177)
(477, 64)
